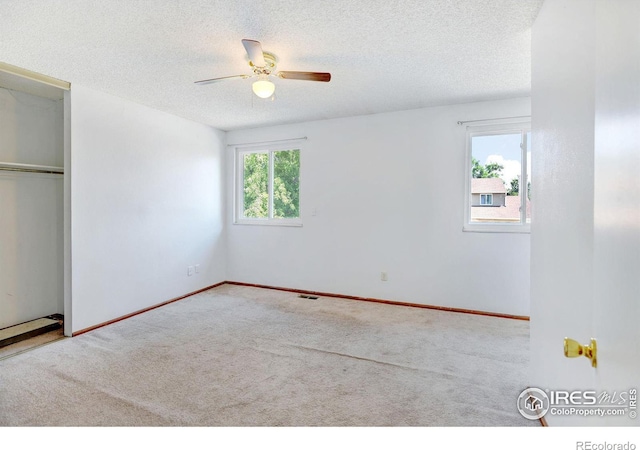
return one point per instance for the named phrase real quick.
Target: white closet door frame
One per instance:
(43, 85)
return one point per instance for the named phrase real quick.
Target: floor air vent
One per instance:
(310, 297)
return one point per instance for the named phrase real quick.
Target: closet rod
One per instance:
(30, 168)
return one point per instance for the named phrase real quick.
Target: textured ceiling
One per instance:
(384, 55)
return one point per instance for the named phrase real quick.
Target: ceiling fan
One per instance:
(263, 65)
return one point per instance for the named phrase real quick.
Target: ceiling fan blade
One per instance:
(215, 80)
(309, 76)
(254, 50)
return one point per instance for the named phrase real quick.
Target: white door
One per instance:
(616, 265)
(585, 239)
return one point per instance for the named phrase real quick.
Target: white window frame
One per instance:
(238, 217)
(522, 127)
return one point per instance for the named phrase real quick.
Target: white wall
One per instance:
(146, 196)
(389, 194)
(31, 252)
(31, 129)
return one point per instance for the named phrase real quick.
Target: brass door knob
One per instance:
(573, 349)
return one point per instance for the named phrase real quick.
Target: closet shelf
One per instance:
(31, 168)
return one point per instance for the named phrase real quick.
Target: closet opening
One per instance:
(35, 297)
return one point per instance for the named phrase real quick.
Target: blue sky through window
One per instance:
(503, 149)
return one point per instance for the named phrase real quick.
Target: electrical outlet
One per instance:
(190, 270)
(197, 266)
(383, 276)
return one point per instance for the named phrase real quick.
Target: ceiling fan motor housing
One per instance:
(270, 64)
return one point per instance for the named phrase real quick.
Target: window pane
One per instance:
(496, 167)
(286, 184)
(256, 185)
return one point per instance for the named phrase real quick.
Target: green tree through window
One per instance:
(491, 170)
(256, 185)
(260, 171)
(286, 184)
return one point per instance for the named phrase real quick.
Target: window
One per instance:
(486, 199)
(498, 160)
(268, 187)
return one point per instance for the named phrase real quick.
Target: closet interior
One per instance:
(32, 205)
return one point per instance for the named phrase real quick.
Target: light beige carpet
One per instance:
(239, 356)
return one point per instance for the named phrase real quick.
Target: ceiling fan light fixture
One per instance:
(263, 65)
(263, 88)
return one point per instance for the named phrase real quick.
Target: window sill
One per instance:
(496, 228)
(270, 223)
